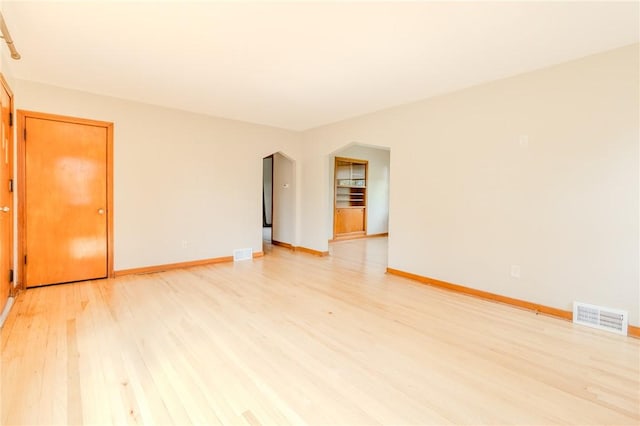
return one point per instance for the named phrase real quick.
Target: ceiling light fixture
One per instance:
(7, 38)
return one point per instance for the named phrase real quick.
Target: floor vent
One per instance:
(613, 320)
(242, 254)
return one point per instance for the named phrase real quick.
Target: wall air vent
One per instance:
(242, 254)
(613, 320)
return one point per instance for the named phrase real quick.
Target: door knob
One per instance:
(5, 209)
(100, 211)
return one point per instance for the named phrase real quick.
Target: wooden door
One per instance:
(6, 195)
(66, 199)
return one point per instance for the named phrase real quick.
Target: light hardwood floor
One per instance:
(293, 338)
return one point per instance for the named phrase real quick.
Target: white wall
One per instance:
(4, 57)
(377, 186)
(284, 199)
(6, 62)
(178, 177)
(468, 200)
(313, 197)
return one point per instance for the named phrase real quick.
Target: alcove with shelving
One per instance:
(350, 198)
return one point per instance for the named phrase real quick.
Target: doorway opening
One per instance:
(267, 199)
(278, 200)
(359, 174)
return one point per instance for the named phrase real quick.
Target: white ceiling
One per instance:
(301, 65)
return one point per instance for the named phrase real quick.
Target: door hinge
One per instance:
(25, 259)
(10, 275)
(25, 133)
(10, 185)
(10, 119)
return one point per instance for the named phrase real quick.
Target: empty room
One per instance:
(324, 212)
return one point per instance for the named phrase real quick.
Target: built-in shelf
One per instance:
(350, 189)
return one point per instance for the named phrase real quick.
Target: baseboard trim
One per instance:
(311, 251)
(281, 244)
(299, 248)
(559, 313)
(179, 265)
(382, 234)
(632, 331)
(5, 311)
(357, 237)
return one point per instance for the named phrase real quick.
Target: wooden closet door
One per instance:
(65, 202)
(349, 221)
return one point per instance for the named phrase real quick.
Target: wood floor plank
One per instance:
(292, 338)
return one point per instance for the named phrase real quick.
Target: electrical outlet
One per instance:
(515, 271)
(185, 244)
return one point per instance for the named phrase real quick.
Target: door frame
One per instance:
(22, 116)
(5, 85)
